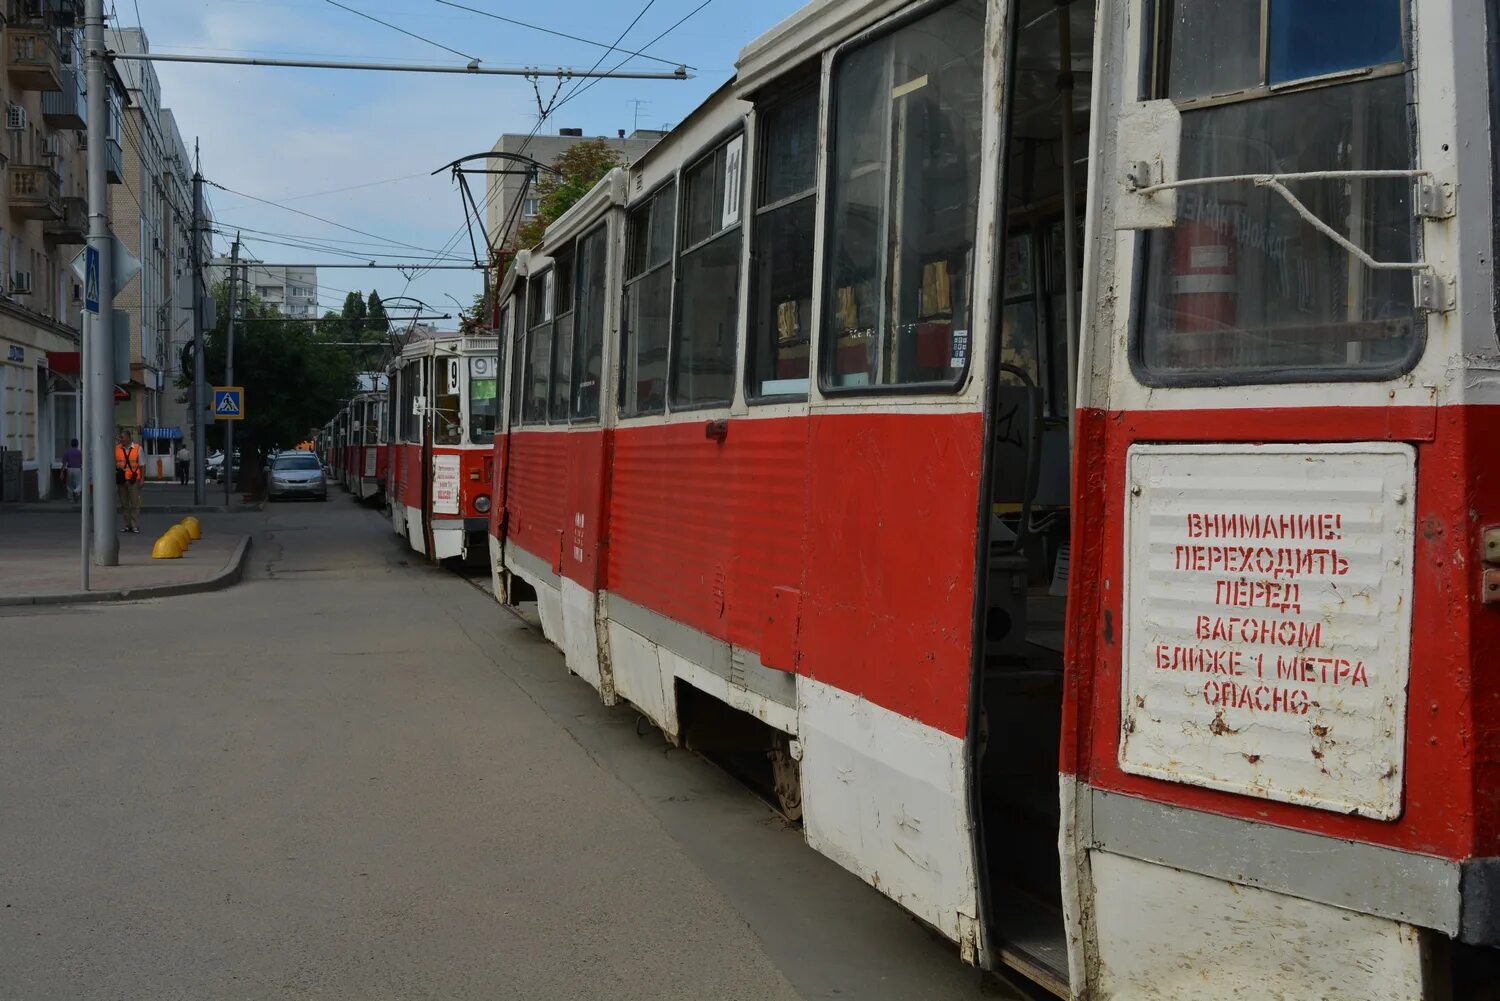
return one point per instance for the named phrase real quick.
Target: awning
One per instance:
(161, 432)
(63, 362)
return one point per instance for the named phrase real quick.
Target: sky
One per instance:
(357, 148)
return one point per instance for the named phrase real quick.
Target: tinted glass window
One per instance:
(588, 324)
(303, 462)
(904, 202)
(709, 281)
(647, 318)
(781, 313)
(562, 333)
(1314, 37)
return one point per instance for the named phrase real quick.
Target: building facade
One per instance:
(504, 190)
(292, 291)
(43, 226)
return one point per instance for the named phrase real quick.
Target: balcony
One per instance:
(35, 192)
(73, 227)
(64, 109)
(34, 60)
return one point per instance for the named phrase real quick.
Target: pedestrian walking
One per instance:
(184, 458)
(73, 469)
(128, 475)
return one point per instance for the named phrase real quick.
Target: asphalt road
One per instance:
(355, 776)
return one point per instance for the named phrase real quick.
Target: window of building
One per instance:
(782, 237)
(903, 203)
(588, 324)
(562, 336)
(531, 208)
(647, 305)
(537, 380)
(1316, 309)
(703, 352)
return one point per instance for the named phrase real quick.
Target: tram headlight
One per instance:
(482, 503)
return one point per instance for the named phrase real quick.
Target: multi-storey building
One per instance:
(292, 291)
(177, 181)
(503, 190)
(43, 224)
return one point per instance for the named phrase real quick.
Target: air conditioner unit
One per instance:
(20, 283)
(15, 118)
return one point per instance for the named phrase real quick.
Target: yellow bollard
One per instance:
(184, 540)
(193, 526)
(167, 548)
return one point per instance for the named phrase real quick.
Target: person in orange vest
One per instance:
(128, 475)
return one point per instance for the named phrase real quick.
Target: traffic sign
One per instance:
(229, 403)
(123, 266)
(91, 279)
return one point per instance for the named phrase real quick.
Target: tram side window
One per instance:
(562, 348)
(903, 203)
(703, 350)
(1243, 288)
(782, 279)
(536, 381)
(447, 415)
(648, 305)
(588, 323)
(411, 390)
(517, 360)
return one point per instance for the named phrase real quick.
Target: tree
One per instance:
(294, 380)
(579, 168)
(362, 327)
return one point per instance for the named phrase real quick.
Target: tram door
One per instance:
(1023, 577)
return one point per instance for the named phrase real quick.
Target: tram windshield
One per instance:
(484, 409)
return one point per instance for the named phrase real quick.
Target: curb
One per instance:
(145, 509)
(233, 571)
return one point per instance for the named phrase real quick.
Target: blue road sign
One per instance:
(229, 403)
(91, 279)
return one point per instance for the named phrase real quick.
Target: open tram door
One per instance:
(1017, 706)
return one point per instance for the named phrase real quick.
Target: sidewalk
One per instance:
(39, 558)
(164, 498)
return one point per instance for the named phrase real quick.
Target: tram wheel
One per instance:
(786, 773)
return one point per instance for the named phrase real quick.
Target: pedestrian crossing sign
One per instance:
(229, 403)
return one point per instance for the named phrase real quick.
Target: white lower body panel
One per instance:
(640, 678)
(1161, 934)
(884, 796)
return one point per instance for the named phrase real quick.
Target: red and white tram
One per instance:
(443, 402)
(1140, 652)
(366, 454)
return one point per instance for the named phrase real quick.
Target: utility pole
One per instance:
(234, 284)
(100, 350)
(200, 448)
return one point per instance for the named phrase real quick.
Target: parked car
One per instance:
(296, 474)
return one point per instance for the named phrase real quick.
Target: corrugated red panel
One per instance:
(701, 530)
(537, 494)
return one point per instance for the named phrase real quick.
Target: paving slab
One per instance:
(39, 556)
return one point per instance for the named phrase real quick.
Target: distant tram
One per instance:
(442, 407)
(366, 453)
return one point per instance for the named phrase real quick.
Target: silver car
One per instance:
(296, 474)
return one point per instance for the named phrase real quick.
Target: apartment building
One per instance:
(503, 190)
(293, 291)
(43, 226)
(175, 414)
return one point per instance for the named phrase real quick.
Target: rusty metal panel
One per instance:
(1267, 632)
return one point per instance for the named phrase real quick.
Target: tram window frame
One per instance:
(411, 386)
(559, 392)
(517, 358)
(591, 260)
(642, 267)
(1157, 44)
(713, 168)
(832, 191)
(765, 329)
(539, 318)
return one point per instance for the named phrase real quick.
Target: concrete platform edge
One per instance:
(233, 571)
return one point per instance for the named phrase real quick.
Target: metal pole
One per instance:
(200, 447)
(101, 351)
(1070, 207)
(234, 284)
(472, 69)
(84, 451)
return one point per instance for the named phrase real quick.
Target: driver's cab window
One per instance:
(447, 415)
(1283, 87)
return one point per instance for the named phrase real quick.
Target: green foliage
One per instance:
(582, 166)
(362, 327)
(294, 380)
